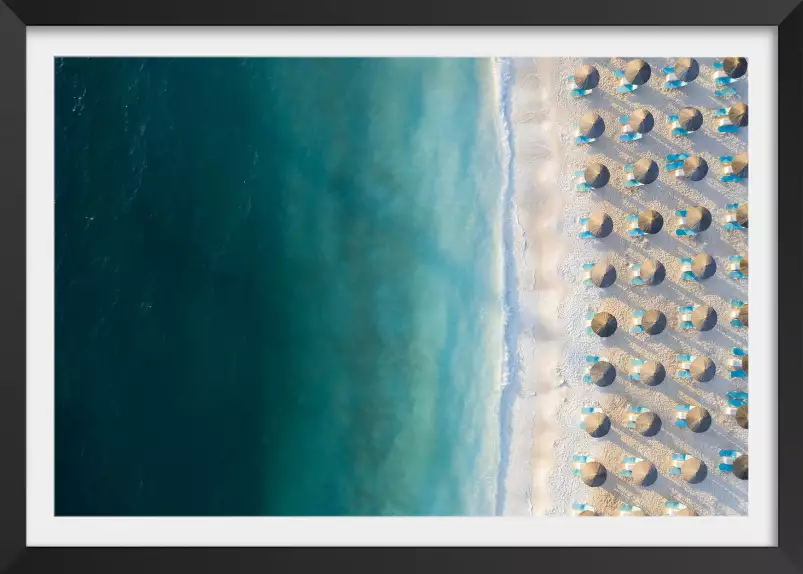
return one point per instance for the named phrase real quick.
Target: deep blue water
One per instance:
(277, 287)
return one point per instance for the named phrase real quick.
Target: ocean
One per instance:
(279, 287)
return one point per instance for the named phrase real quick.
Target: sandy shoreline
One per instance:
(551, 343)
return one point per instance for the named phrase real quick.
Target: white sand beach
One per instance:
(552, 299)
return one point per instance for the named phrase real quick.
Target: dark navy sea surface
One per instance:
(278, 287)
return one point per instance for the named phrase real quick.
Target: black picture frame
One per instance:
(15, 15)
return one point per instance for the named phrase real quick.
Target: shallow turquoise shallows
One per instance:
(278, 287)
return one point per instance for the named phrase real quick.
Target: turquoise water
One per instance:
(278, 287)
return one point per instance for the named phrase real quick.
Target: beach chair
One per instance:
(624, 86)
(587, 267)
(636, 326)
(735, 305)
(736, 363)
(635, 369)
(680, 415)
(685, 269)
(588, 317)
(728, 175)
(726, 458)
(574, 91)
(731, 221)
(723, 82)
(685, 317)
(577, 508)
(724, 125)
(678, 459)
(633, 229)
(580, 183)
(674, 162)
(633, 412)
(584, 412)
(578, 461)
(584, 232)
(581, 139)
(672, 507)
(684, 365)
(591, 360)
(672, 82)
(631, 180)
(674, 122)
(734, 267)
(735, 400)
(635, 274)
(628, 134)
(681, 231)
(630, 510)
(628, 462)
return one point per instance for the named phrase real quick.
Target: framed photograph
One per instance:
(417, 289)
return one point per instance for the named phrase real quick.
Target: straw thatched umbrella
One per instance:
(592, 125)
(650, 221)
(637, 72)
(644, 473)
(597, 424)
(604, 325)
(686, 512)
(596, 175)
(741, 416)
(703, 266)
(695, 168)
(648, 424)
(698, 419)
(652, 373)
(693, 470)
(586, 77)
(588, 513)
(652, 272)
(654, 322)
(645, 171)
(739, 164)
(593, 474)
(641, 121)
(698, 218)
(603, 275)
(737, 114)
(690, 119)
(743, 265)
(735, 67)
(744, 363)
(743, 314)
(703, 369)
(740, 467)
(602, 373)
(704, 318)
(600, 224)
(687, 69)
(742, 214)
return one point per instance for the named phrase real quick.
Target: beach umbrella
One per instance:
(743, 265)
(735, 67)
(641, 121)
(654, 322)
(652, 272)
(741, 416)
(687, 69)
(703, 266)
(739, 164)
(603, 275)
(648, 424)
(604, 325)
(637, 72)
(740, 467)
(695, 168)
(645, 171)
(588, 513)
(592, 125)
(650, 221)
(743, 314)
(737, 114)
(686, 512)
(597, 424)
(596, 175)
(704, 318)
(652, 373)
(602, 373)
(586, 77)
(600, 224)
(644, 473)
(698, 218)
(742, 215)
(593, 474)
(690, 119)
(703, 369)
(698, 419)
(744, 363)
(693, 470)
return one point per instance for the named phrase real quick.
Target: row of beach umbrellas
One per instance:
(638, 72)
(641, 121)
(652, 373)
(703, 318)
(652, 272)
(650, 221)
(645, 170)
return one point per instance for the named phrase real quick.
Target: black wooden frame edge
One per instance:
(788, 557)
